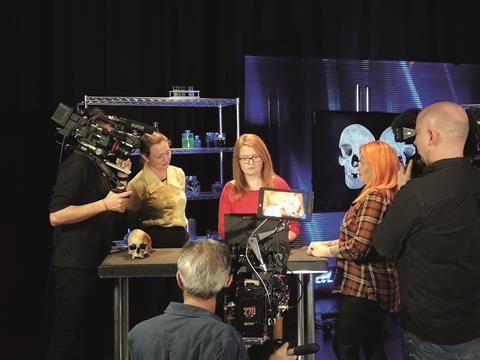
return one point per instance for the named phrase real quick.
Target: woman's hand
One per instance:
(330, 243)
(318, 248)
(291, 236)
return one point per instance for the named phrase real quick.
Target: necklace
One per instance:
(163, 180)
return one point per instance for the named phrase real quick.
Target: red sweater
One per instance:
(246, 205)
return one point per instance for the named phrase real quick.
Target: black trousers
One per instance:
(360, 324)
(82, 316)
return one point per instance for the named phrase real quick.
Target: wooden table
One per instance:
(163, 263)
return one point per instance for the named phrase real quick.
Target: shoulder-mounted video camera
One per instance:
(403, 126)
(100, 136)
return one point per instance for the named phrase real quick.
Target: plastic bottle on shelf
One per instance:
(208, 139)
(191, 141)
(187, 140)
(222, 140)
(197, 142)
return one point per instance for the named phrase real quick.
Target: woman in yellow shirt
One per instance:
(157, 204)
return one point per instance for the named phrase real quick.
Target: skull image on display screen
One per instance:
(403, 150)
(352, 137)
(139, 244)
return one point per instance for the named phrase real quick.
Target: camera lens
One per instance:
(121, 150)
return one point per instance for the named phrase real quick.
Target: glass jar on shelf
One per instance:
(192, 185)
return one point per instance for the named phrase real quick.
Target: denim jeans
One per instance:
(418, 349)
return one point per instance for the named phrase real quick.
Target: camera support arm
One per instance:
(106, 168)
(254, 239)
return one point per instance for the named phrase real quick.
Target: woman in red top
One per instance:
(367, 283)
(252, 169)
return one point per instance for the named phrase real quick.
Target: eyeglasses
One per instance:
(246, 159)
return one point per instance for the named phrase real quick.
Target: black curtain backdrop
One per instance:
(57, 50)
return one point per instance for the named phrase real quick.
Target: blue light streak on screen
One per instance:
(410, 84)
(254, 97)
(451, 86)
(332, 84)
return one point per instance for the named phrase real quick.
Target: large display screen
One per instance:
(336, 140)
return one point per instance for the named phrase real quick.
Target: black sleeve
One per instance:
(399, 220)
(67, 190)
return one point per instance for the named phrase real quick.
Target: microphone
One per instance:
(303, 349)
(132, 125)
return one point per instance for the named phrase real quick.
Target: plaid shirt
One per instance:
(359, 274)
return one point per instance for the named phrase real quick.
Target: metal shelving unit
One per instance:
(182, 151)
(177, 101)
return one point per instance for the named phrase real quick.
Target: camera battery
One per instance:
(250, 310)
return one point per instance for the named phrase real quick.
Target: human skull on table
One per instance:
(139, 244)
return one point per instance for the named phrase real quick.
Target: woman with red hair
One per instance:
(367, 284)
(252, 169)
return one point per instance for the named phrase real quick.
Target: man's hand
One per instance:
(404, 174)
(281, 354)
(116, 201)
(125, 164)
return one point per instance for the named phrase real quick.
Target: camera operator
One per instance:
(192, 330)
(432, 227)
(81, 212)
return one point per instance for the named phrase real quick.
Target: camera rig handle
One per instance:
(106, 168)
(254, 239)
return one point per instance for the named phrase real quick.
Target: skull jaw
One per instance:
(138, 255)
(352, 180)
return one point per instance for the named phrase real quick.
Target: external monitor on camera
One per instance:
(282, 204)
(239, 227)
(403, 126)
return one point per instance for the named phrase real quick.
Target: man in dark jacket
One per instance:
(433, 228)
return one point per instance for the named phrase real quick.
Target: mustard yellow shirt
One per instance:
(156, 202)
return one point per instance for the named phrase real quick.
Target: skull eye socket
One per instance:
(346, 150)
(143, 246)
(133, 247)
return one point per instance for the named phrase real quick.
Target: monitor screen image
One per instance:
(285, 204)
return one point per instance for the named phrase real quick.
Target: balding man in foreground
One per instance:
(433, 229)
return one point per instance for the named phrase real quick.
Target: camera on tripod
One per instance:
(259, 246)
(100, 137)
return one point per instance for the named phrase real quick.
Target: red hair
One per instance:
(384, 165)
(240, 186)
